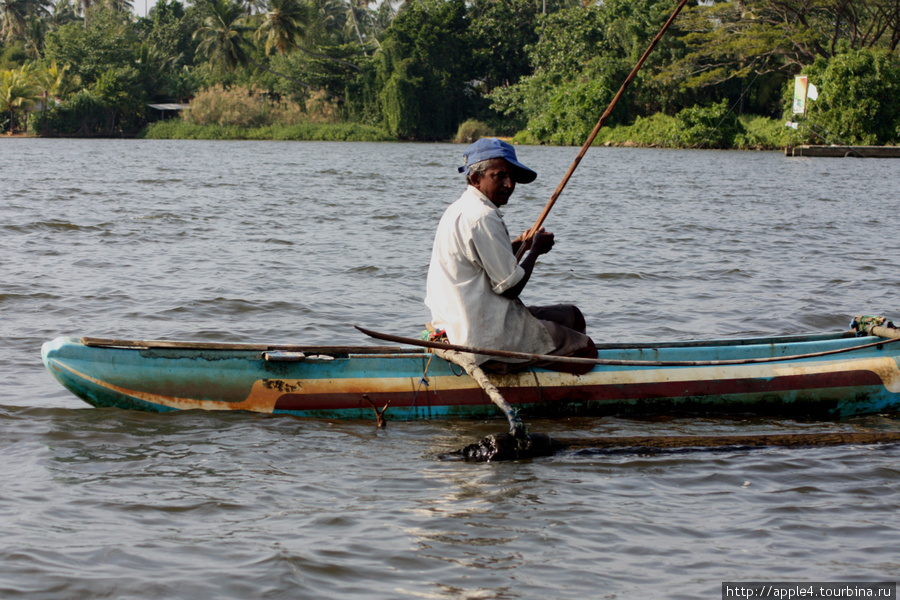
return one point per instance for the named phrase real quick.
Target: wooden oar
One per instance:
(596, 130)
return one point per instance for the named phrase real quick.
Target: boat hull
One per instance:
(330, 382)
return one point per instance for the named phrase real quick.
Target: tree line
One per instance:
(543, 70)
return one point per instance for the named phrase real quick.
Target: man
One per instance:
(474, 280)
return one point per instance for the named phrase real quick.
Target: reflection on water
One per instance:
(296, 242)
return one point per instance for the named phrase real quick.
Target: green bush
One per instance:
(713, 126)
(177, 129)
(857, 99)
(84, 114)
(241, 106)
(571, 113)
(762, 133)
(401, 98)
(656, 131)
(111, 106)
(661, 131)
(471, 131)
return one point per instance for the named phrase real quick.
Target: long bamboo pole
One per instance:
(590, 139)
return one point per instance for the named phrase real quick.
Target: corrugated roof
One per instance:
(169, 106)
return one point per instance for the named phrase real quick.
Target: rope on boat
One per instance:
(422, 381)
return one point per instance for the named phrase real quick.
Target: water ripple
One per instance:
(159, 239)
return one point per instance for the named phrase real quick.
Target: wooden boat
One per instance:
(820, 376)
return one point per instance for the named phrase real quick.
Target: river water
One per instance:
(297, 242)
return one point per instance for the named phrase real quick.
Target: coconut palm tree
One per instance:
(351, 8)
(34, 37)
(54, 81)
(373, 23)
(64, 11)
(329, 18)
(120, 6)
(284, 23)
(17, 92)
(83, 7)
(157, 69)
(221, 40)
(15, 15)
(221, 35)
(289, 23)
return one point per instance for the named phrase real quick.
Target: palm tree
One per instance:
(17, 92)
(221, 40)
(221, 35)
(83, 7)
(64, 11)
(364, 5)
(120, 6)
(283, 24)
(287, 23)
(330, 17)
(15, 15)
(351, 13)
(54, 81)
(156, 68)
(34, 37)
(253, 6)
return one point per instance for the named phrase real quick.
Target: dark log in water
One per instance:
(506, 447)
(503, 446)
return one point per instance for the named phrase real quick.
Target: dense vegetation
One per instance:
(541, 70)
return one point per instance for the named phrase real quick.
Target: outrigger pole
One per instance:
(590, 139)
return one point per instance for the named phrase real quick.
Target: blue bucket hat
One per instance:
(488, 148)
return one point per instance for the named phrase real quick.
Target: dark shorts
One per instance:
(565, 324)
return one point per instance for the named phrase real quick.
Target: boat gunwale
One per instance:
(95, 342)
(92, 342)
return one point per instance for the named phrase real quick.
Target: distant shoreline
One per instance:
(660, 132)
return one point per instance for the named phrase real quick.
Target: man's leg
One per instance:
(566, 315)
(565, 324)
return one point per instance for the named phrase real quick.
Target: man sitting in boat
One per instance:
(474, 280)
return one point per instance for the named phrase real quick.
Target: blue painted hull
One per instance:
(331, 382)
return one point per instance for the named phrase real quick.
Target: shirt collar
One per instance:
(474, 190)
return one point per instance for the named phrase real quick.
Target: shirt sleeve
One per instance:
(493, 252)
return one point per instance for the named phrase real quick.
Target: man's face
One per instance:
(497, 181)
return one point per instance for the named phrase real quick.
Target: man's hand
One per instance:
(542, 242)
(530, 241)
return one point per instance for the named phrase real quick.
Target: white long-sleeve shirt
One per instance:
(472, 264)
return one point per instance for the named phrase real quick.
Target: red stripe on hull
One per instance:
(343, 400)
(721, 387)
(585, 393)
